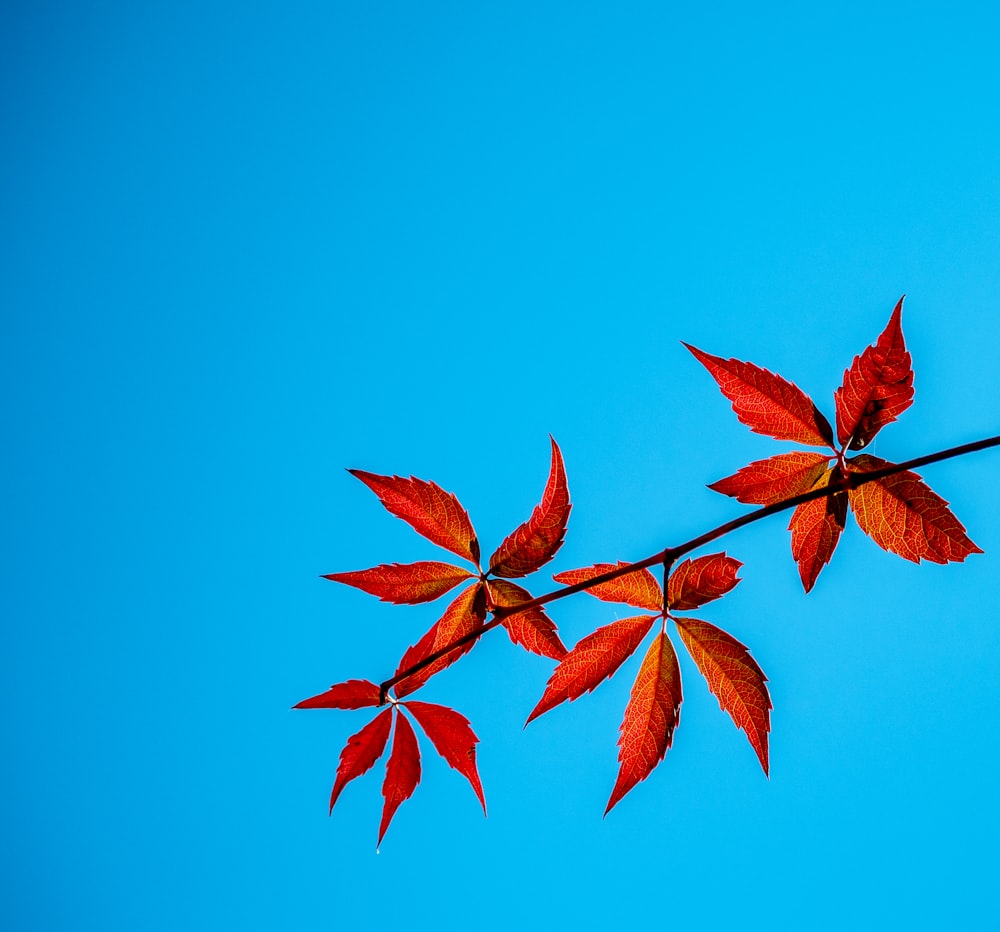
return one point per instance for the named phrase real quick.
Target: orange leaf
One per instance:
(595, 658)
(536, 541)
(816, 528)
(431, 511)
(463, 616)
(354, 694)
(695, 582)
(532, 629)
(765, 482)
(405, 583)
(877, 388)
(733, 676)
(652, 714)
(453, 739)
(902, 515)
(638, 589)
(402, 773)
(361, 752)
(767, 403)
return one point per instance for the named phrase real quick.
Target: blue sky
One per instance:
(245, 246)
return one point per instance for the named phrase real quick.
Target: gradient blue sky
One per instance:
(246, 245)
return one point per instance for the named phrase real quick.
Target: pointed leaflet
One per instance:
(595, 658)
(902, 515)
(767, 403)
(638, 589)
(734, 677)
(405, 583)
(463, 616)
(354, 694)
(705, 579)
(452, 738)
(652, 714)
(877, 388)
(816, 528)
(402, 773)
(532, 629)
(361, 752)
(536, 541)
(765, 482)
(428, 509)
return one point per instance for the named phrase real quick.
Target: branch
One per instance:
(670, 554)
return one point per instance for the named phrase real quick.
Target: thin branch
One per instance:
(669, 555)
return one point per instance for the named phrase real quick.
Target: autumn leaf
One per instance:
(354, 694)
(767, 403)
(431, 511)
(405, 583)
(532, 629)
(536, 541)
(652, 714)
(816, 528)
(695, 582)
(877, 388)
(463, 616)
(902, 515)
(361, 752)
(453, 739)
(402, 773)
(733, 676)
(595, 658)
(782, 476)
(638, 588)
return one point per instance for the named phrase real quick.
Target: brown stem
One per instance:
(669, 555)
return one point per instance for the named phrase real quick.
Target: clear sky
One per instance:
(244, 246)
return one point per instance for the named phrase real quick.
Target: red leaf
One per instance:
(765, 482)
(816, 528)
(354, 694)
(733, 676)
(405, 583)
(532, 629)
(595, 658)
(463, 616)
(428, 509)
(638, 589)
(877, 388)
(652, 714)
(402, 773)
(536, 541)
(361, 752)
(453, 738)
(767, 403)
(695, 582)
(902, 515)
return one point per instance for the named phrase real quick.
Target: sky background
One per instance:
(244, 246)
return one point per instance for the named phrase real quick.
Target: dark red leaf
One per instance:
(734, 677)
(767, 403)
(361, 752)
(816, 528)
(765, 482)
(463, 616)
(595, 658)
(428, 509)
(536, 541)
(695, 582)
(652, 714)
(877, 388)
(405, 583)
(902, 515)
(638, 588)
(532, 629)
(402, 773)
(354, 694)
(453, 738)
